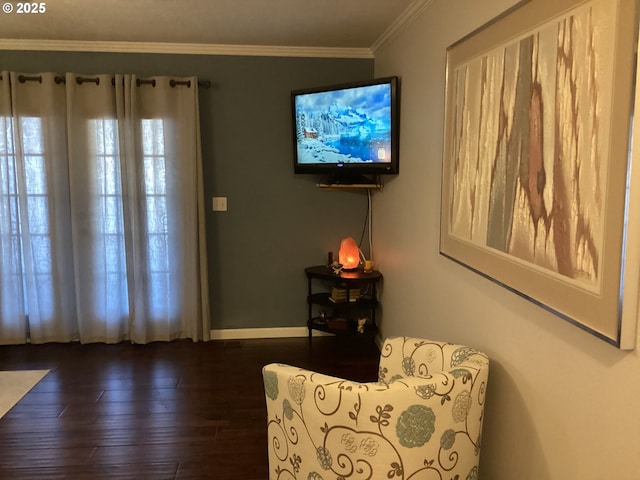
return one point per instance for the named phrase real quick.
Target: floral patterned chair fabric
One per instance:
(421, 420)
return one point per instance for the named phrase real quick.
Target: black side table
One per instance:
(345, 303)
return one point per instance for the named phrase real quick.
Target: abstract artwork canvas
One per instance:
(537, 122)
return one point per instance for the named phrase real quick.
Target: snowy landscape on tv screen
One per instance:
(352, 125)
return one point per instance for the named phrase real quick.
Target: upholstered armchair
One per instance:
(421, 420)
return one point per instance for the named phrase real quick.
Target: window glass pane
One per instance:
(13, 213)
(107, 180)
(159, 253)
(34, 170)
(157, 214)
(112, 215)
(32, 135)
(105, 138)
(154, 159)
(112, 182)
(152, 137)
(40, 247)
(6, 136)
(7, 175)
(155, 188)
(108, 257)
(25, 231)
(37, 213)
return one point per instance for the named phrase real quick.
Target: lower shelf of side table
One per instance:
(342, 326)
(345, 299)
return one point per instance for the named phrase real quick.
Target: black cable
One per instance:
(364, 227)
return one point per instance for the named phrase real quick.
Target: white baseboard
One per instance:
(276, 332)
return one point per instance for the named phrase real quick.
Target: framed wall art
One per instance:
(536, 154)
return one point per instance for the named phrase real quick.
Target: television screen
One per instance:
(346, 128)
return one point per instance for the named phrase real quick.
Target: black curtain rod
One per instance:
(140, 81)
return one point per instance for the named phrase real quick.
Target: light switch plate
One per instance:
(219, 204)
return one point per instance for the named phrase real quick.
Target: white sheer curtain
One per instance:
(101, 210)
(36, 273)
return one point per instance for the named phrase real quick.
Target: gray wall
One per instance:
(277, 222)
(561, 404)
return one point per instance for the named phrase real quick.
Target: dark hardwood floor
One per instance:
(178, 410)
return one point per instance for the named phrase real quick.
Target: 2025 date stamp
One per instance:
(28, 8)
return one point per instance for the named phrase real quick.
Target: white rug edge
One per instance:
(15, 384)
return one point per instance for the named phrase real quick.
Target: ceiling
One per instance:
(329, 24)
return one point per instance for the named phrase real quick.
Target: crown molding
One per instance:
(410, 15)
(184, 48)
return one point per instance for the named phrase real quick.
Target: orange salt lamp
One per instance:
(349, 254)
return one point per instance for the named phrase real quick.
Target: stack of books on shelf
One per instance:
(341, 295)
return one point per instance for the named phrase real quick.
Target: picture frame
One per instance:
(538, 109)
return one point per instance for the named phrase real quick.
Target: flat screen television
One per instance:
(347, 132)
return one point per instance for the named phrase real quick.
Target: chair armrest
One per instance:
(318, 423)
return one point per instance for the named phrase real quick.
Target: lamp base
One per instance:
(350, 269)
